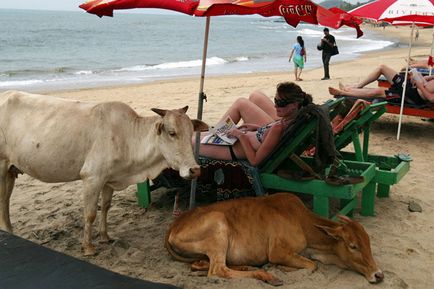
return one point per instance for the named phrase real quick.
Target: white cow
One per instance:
(106, 145)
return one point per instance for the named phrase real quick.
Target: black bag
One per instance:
(320, 46)
(335, 50)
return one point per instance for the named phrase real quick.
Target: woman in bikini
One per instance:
(418, 92)
(263, 123)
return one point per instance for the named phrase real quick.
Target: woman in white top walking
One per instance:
(299, 57)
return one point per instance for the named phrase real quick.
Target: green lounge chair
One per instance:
(288, 156)
(389, 169)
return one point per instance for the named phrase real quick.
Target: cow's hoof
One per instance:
(275, 282)
(314, 268)
(105, 239)
(89, 251)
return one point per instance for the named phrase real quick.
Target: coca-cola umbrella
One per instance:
(293, 11)
(399, 12)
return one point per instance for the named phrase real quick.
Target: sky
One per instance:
(63, 4)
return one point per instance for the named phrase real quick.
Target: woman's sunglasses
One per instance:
(281, 102)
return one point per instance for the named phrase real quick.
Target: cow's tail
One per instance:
(174, 254)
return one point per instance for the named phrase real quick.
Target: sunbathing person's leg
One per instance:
(221, 152)
(360, 92)
(249, 112)
(385, 70)
(265, 103)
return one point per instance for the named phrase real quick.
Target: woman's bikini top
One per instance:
(260, 132)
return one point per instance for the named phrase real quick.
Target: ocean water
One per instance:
(55, 50)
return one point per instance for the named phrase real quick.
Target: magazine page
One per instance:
(218, 134)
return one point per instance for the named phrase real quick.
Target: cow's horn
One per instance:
(184, 109)
(158, 111)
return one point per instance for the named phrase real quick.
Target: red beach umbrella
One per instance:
(399, 12)
(293, 11)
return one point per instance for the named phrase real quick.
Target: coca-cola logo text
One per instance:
(300, 10)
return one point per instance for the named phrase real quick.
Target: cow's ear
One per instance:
(158, 111)
(160, 127)
(199, 125)
(344, 219)
(184, 109)
(335, 233)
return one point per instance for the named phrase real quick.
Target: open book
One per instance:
(218, 134)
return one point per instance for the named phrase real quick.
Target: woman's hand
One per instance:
(235, 132)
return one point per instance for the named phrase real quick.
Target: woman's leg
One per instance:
(220, 152)
(265, 103)
(360, 92)
(385, 70)
(299, 73)
(249, 112)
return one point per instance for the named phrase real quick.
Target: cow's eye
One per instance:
(352, 246)
(172, 133)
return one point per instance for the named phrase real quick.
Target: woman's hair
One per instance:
(291, 91)
(300, 41)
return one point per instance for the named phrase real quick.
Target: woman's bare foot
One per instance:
(335, 91)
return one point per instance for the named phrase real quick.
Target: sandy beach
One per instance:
(51, 214)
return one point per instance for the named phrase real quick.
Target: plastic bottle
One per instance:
(416, 75)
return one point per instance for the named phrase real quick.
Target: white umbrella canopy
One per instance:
(399, 12)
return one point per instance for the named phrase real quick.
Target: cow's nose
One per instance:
(195, 172)
(379, 276)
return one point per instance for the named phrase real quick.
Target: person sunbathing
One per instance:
(263, 123)
(416, 63)
(419, 89)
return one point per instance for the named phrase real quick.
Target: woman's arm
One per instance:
(426, 89)
(290, 55)
(270, 142)
(249, 126)
(429, 77)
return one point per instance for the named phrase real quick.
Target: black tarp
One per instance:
(26, 265)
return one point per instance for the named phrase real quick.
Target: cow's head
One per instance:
(353, 248)
(175, 132)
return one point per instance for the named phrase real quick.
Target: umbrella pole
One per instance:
(401, 110)
(200, 109)
(431, 54)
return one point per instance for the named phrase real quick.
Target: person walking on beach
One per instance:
(327, 43)
(299, 52)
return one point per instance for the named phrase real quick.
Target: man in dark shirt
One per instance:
(327, 43)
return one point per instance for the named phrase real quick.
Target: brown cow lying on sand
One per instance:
(106, 145)
(227, 237)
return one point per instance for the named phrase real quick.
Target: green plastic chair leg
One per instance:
(345, 204)
(368, 200)
(383, 190)
(321, 206)
(144, 194)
